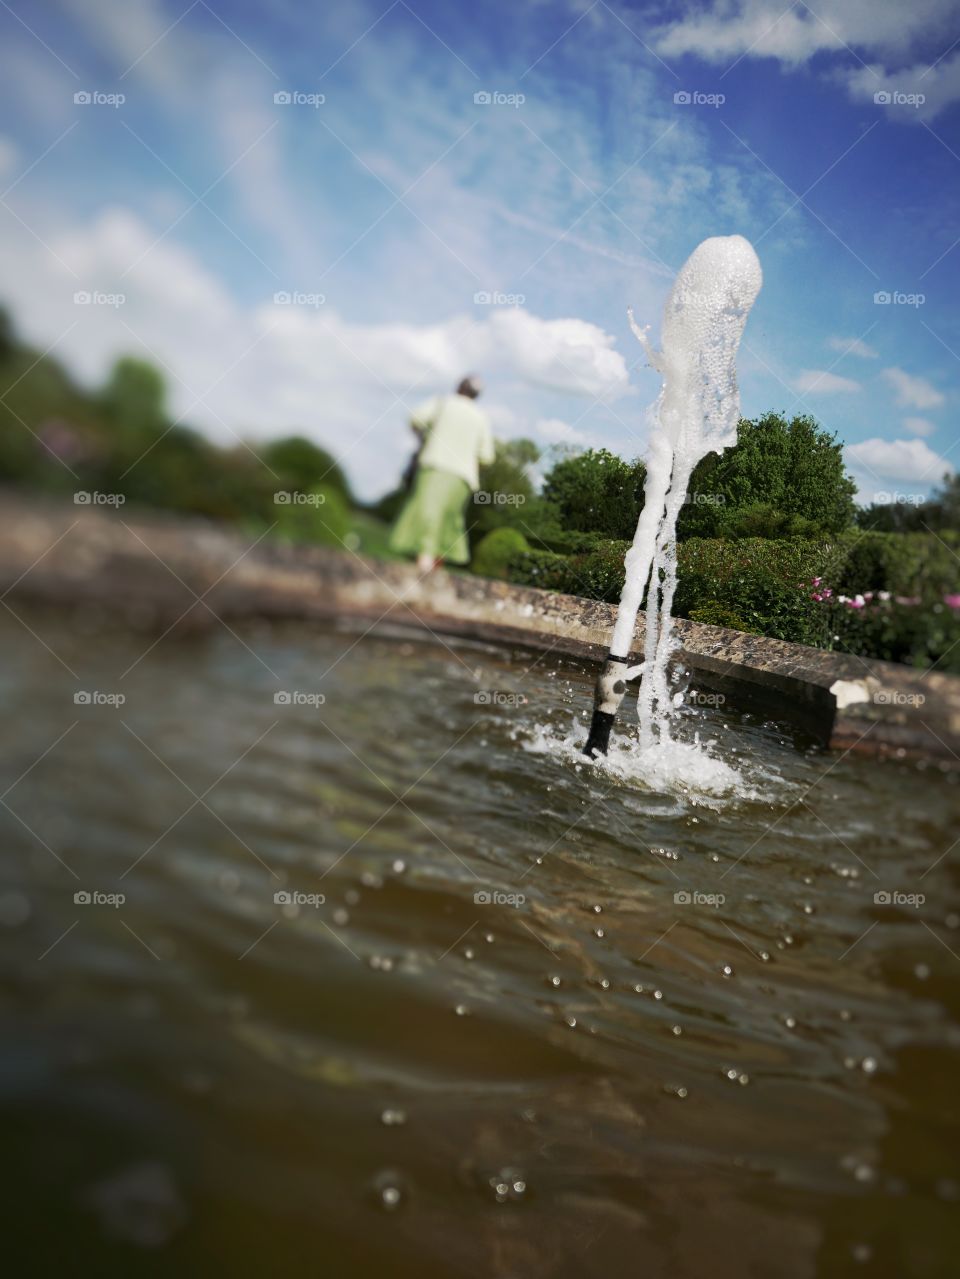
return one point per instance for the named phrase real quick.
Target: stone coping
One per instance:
(152, 568)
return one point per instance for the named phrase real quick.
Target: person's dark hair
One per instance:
(470, 386)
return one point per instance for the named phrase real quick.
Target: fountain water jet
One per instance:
(696, 413)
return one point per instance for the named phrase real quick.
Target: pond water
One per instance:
(549, 1018)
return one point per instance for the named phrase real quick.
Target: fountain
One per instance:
(696, 413)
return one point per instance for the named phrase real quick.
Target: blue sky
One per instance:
(386, 209)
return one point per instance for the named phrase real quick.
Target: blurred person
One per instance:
(455, 440)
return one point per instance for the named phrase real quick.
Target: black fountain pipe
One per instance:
(607, 696)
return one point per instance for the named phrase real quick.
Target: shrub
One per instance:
(597, 492)
(324, 521)
(495, 552)
(713, 613)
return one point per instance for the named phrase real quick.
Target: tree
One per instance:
(300, 465)
(597, 492)
(134, 399)
(506, 496)
(781, 478)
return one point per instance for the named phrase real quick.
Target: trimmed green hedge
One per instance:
(766, 587)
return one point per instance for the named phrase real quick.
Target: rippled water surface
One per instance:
(549, 1019)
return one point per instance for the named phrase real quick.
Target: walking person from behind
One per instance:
(456, 441)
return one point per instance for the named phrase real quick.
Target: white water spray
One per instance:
(696, 413)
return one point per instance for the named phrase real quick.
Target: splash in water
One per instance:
(696, 413)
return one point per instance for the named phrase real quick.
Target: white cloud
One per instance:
(266, 369)
(913, 392)
(910, 461)
(822, 382)
(938, 86)
(554, 431)
(918, 426)
(726, 30)
(852, 346)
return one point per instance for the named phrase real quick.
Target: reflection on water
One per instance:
(400, 984)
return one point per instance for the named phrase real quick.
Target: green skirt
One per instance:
(432, 519)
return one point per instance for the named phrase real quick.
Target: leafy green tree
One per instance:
(301, 465)
(134, 399)
(506, 495)
(597, 492)
(794, 469)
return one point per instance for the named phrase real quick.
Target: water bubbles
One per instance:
(677, 1030)
(658, 994)
(351, 897)
(468, 952)
(598, 932)
(790, 1022)
(488, 937)
(462, 1010)
(554, 980)
(737, 1076)
(382, 963)
(675, 1090)
(570, 1021)
(868, 1065)
(727, 970)
(389, 1190)
(596, 909)
(341, 917)
(392, 1118)
(638, 988)
(508, 1185)
(369, 880)
(399, 866)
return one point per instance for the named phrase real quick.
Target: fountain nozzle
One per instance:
(607, 696)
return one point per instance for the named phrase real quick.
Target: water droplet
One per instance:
(677, 1030)
(598, 932)
(393, 1118)
(658, 994)
(554, 980)
(727, 970)
(462, 1010)
(638, 988)
(790, 1023)
(389, 1191)
(571, 1022)
(869, 1064)
(468, 953)
(399, 866)
(488, 937)
(597, 910)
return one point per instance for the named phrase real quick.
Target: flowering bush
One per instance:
(896, 628)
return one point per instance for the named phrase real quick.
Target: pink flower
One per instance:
(952, 601)
(815, 581)
(816, 596)
(826, 592)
